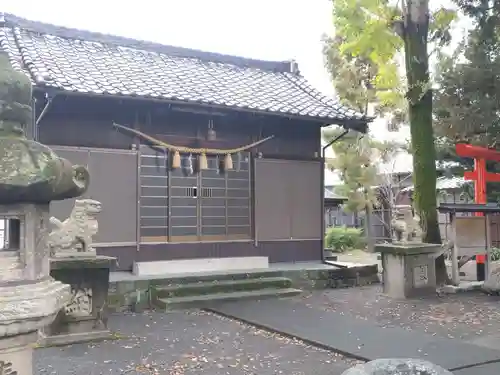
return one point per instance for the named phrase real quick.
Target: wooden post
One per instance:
(455, 271)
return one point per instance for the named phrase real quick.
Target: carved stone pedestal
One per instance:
(85, 317)
(16, 354)
(409, 269)
(29, 297)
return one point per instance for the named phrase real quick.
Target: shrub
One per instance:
(342, 238)
(495, 253)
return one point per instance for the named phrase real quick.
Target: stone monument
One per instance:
(31, 176)
(408, 263)
(491, 285)
(397, 366)
(74, 261)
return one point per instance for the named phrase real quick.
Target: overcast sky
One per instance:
(263, 29)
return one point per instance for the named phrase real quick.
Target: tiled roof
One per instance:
(92, 63)
(446, 183)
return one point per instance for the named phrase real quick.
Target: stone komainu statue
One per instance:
(75, 233)
(405, 225)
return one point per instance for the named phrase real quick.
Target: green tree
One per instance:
(357, 160)
(379, 31)
(467, 94)
(356, 155)
(353, 78)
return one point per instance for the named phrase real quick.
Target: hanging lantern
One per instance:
(211, 135)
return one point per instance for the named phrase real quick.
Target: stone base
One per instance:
(16, 354)
(85, 317)
(74, 254)
(408, 270)
(465, 286)
(397, 366)
(73, 338)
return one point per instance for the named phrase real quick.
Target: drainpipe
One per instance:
(36, 123)
(323, 226)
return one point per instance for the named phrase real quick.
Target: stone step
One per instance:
(193, 278)
(217, 286)
(206, 300)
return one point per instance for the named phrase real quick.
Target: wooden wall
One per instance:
(144, 219)
(77, 121)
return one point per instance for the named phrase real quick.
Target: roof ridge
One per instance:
(13, 21)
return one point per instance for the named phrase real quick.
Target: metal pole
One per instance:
(322, 194)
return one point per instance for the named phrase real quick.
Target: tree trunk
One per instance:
(419, 95)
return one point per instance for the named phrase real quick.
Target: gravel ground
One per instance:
(183, 343)
(464, 315)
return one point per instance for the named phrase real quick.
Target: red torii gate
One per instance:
(480, 177)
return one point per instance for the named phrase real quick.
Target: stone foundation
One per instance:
(136, 295)
(85, 317)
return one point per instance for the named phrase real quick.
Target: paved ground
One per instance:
(472, 316)
(184, 343)
(467, 316)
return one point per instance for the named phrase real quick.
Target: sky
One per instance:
(261, 29)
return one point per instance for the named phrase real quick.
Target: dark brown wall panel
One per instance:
(287, 200)
(87, 122)
(113, 183)
(76, 132)
(305, 187)
(272, 201)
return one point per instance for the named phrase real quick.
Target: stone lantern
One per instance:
(31, 176)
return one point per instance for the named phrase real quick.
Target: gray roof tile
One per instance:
(85, 62)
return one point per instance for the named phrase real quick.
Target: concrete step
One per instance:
(207, 300)
(153, 268)
(224, 286)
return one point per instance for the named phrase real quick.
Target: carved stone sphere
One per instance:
(398, 366)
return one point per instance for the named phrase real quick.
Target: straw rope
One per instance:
(190, 150)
